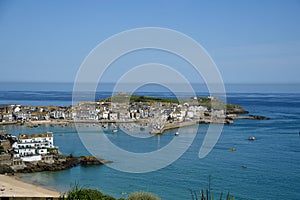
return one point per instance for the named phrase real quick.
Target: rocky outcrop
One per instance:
(91, 160)
(59, 164)
(259, 117)
(5, 169)
(255, 117)
(235, 109)
(56, 166)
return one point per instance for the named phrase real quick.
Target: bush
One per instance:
(142, 196)
(78, 193)
(208, 194)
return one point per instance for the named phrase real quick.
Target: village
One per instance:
(37, 152)
(154, 112)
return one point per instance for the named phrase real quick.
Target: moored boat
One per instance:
(251, 138)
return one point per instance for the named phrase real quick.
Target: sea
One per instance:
(267, 168)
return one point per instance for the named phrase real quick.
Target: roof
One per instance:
(29, 136)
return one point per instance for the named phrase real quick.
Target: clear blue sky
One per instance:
(250, 41)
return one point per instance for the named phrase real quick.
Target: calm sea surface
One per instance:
(273, 160)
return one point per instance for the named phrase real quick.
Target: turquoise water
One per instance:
(272, 160)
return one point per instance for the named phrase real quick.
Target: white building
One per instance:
(190, 114)
(198, 111)
(31, 147)
(103, 114)
(113, 116)
(31, 158)
(17, 109)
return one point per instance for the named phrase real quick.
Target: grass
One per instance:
(125, 98)
(142, 196)
(80, 193)
(208, 194)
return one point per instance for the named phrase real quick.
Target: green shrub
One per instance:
(142, 196)
(79, 193)
(208, 194)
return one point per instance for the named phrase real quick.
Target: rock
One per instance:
(235, 109)
(6, 169)
(91, 160)
(59, 164)
(259, 117)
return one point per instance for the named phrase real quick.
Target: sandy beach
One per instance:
(12, 187)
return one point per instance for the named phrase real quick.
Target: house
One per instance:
(218, 113)
(103, 114)
(23, 116)
(190, 114)
(113, 116)
(57, 114)
(87, 111)
(17, 109)
(7, 117)
(124, 115)
(198, 111)
(33, 147)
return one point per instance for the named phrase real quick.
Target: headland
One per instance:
(159, 113)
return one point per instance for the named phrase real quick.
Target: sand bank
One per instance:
(12, 187)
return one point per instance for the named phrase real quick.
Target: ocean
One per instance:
(272, 160)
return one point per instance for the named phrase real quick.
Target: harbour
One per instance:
(273, 155)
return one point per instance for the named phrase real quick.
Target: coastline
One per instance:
(169, 126)
(175, 125)
(12, 186)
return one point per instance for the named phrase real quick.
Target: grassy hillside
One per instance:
(203, 101)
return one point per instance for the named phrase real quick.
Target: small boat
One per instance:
(251, 138)
(176, 134)
(232, 149)
(114, 131)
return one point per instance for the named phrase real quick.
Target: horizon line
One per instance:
(235, 83)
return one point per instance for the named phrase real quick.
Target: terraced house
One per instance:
(34, 147)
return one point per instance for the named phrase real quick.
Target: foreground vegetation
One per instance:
(142, 196)
(209, 196)
(80, 193)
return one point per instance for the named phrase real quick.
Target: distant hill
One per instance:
(203, 101)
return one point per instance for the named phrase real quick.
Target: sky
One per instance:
(250, 41)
